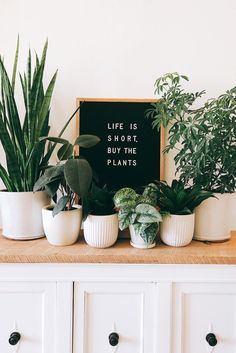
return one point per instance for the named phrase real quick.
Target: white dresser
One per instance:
(78, 299)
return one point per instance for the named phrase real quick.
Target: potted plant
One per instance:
(139, 213)
(26, 155)
(101, 219)
(177, 204)
(73, 178)
(204, 139)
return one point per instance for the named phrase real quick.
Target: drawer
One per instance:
(29, 309)
(106, 307)
(200, 309)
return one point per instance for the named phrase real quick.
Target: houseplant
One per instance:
(177, 204)
(138, 212)
(26, 155)
(72, 178)
(204, 139)
(101, 218)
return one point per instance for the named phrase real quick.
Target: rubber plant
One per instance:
(26, 154)
(204, 138)
(72, 176)
(139, 211)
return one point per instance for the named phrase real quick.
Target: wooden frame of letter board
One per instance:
(123, 100)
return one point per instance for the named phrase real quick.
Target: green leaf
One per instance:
(60, 206)
(87, 141)
(126, 218)
(78, 175)
(65, 152)
(147, 214)
(125, 198)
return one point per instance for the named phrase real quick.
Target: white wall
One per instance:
(117, 48)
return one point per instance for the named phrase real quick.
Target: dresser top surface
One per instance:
(40, 251)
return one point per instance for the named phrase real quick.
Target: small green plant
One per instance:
(139, 211)
(72, 178)
(178, 199)
(98, 201)
(204, 138)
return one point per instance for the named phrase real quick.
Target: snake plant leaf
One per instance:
(13, 80)
(87, 141)
(60, 206)
(6, 179)
(78, 175)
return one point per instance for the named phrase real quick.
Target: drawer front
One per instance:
(124, 308)
(29, 309)
(200, 309)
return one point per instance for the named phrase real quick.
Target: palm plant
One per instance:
(27, 155)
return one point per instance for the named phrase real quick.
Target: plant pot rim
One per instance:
(23, 192)
(105, 215)
(50, 208)
(179, 215)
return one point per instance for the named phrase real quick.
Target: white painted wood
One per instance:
(101, 308)
(30, 309)
(117, 272)
(200, 308)
(163, 315)
(64, 317)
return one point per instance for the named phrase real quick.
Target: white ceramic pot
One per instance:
(62, 229)
(232, 211)
(101, 231)
(212, 219)
(177, 230)
(22, 214)
(137, 241)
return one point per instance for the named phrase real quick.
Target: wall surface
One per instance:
(117, 48)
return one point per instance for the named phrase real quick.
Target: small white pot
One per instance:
(212, 219)
(62, 229)
(22, 214)
(101, 231)
(177, 230)
(137, 241)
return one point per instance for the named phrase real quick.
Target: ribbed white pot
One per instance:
(177, 230)
(101, 231)
(62, 229)
(22, 214)
(212, 219)
(137, 241)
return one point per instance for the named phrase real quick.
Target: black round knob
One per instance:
(113, 339)
(14, 338)
(211, 339)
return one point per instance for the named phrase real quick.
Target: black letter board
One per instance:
(129, 154)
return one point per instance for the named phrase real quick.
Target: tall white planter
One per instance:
(22, 214)
(232, 211)
(177, 230)
(62, 229)
(137, 241)
(101, 231)
(212, 222)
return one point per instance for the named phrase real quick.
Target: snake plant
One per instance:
(26, 155)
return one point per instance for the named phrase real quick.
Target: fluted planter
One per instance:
(101, 231)
(177, 230)
(62, 229)
(21, 214)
